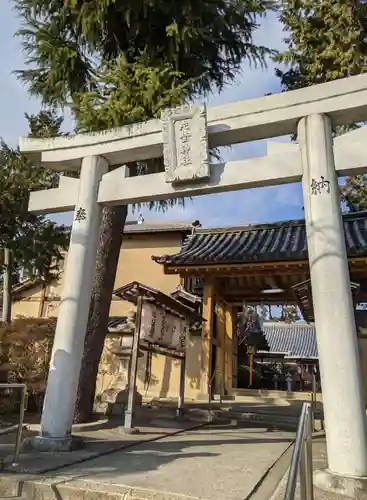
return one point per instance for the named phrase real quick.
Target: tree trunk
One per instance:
(111, 233)
(41, 306)
(6, 306)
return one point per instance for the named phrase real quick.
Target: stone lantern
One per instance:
(116, 396)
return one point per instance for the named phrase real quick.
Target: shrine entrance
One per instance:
(263, 267)
(184, 137)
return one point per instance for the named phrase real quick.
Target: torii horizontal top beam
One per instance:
(344, 100)
(282, 166)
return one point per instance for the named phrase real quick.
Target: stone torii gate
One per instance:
(184, 136)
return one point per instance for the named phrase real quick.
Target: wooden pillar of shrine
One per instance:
(230, 362)
(206, 337)
(221, 345)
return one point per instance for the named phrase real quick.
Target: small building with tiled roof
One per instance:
(293, 341)
(271, 242)
(246, 260)
(257, 264)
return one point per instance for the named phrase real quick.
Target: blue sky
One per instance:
(242, 207)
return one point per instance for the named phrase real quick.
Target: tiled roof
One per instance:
(116, 322)
(133, 226)
(181, 294)
(157, 227)
(261, 242)
(23, 286)
(295, 340)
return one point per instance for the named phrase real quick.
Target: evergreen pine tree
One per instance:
(326, 40)
(32, 243)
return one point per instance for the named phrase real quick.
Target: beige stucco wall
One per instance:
(28, 303)
(25, 308)
(135, 264)
(165, 372)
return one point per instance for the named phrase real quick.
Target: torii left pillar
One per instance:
(67, 352)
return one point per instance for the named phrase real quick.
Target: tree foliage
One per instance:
(354, 193)
(128, 93)
(35, 242)
(326, 40)
(65, 40)
(123, 93)
(25, 357)
(45, 124)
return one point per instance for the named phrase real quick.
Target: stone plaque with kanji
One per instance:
(185, 143)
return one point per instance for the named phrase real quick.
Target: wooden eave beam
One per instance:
(259, 297)
(276, 267)
(233, 269)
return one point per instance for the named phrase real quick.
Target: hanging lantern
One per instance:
(251, 335)
(250, 331)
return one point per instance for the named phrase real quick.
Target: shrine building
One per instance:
(255, 264)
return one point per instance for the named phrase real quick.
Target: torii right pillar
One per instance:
(343, 395)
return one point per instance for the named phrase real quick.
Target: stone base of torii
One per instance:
(184, 136)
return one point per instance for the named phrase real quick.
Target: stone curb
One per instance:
(69, 489)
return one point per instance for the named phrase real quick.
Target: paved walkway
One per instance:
(101, 437)
(213, 462)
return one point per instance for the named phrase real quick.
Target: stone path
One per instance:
(213, 462)
(169, 460)
(101, 437)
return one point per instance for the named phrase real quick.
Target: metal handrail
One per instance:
(19, 426)
(302, 458)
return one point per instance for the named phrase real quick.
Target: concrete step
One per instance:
(282, 417)
(278, 421)
(225, 417)
(10, 486)
(60, 489)
(271, 419)
(266, 414)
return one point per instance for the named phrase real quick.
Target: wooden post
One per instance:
(6, 306)
(251, 350)
(41, 306)
(229, 349)
(129, 413)
(221, 346)
(206, 337)
(181, 396)
(251, 369)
